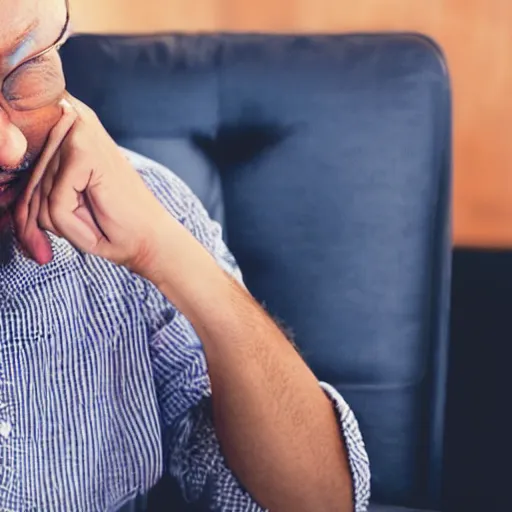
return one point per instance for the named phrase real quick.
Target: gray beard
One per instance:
(7, 242)
(7, 238)
(25, 165)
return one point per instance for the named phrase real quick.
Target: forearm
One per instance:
(277, 428)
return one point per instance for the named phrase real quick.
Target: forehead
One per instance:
(43, 18)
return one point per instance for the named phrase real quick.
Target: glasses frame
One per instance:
(58, 44)
(63, 37)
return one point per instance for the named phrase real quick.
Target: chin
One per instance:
(5, 223)
(7, 244)
(7, 201)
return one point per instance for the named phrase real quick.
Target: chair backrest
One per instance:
(331, 159)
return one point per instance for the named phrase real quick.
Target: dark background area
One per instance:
(478, 462)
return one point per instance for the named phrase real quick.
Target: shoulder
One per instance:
(177, 197)
(169, 189)
(186, 207)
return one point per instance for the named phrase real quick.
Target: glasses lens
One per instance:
(37, 83)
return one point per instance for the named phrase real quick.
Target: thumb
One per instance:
(80, 229)
(35, 241)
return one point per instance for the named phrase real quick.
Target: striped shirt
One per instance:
(104, 384)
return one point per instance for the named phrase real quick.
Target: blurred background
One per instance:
(476, 36)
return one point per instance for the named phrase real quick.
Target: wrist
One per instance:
(180, 267)
(148, 251)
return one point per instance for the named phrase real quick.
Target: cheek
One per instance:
(36, 125)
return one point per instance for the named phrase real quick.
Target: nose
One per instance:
(13, 144)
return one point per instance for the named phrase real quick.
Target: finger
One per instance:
(81, 109)
(57, 135)
(77, 224)
(85, 115)
(70, 187)
(35, 241)
(44, 189)
(68, 209)
(32, 237)
(44, 221)
(85, 212)
(55, 139)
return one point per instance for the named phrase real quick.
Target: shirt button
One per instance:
(5, 429)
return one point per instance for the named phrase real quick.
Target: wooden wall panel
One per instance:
(131, 16)
(475, 34)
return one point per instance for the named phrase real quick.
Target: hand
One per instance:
(84, 189)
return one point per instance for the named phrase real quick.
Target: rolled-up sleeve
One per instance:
(356, 451)
(192, 452)
(191, 449)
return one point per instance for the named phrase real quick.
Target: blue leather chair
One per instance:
(328, 160)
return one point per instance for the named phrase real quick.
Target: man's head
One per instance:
(31, 85)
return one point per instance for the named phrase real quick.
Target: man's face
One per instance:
(30, 88)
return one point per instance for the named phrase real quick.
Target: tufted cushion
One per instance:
(334, 157)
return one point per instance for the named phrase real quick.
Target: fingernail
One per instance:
(65, 104)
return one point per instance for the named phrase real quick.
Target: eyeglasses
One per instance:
(39, 81)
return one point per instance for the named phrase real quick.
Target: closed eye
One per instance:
(37, 82)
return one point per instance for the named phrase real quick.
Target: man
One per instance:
(129, 348)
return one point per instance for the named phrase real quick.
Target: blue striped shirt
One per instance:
(104, 384)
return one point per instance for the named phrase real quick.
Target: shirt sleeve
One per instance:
(191, 448)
